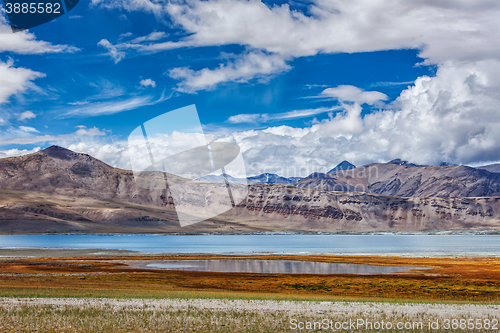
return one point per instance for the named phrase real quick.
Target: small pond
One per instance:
(269, 266)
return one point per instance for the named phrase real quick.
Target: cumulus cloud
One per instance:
(441, 30)
(26, 115)
(24, 42)
(17, 152)
(147, 83)
(284, 150)
(451, 117)
(15, 80)
(346, 93)
(249, 66)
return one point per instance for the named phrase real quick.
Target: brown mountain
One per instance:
(57, 190)
(400, 178)
(59, 171)
(491, 167)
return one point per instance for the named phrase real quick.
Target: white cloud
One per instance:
(249, 66)
(113, 51)
(391, 83)
(281, 147)
(268, 117)
(117, 52)
(125, 35)
(26, 115)
(24, 42)
(79, 103)
(461, 30)
(156, 35)
(24, 140)
(153, 7)
(248, 118)
(113, 106)
(28, 129)
(15, 80)
(441, 30)
(106, 89)
(451, 117)
(147, 83)
(346, 93)
(17, 152)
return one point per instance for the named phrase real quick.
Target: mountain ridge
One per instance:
(57, 190)
(400, 178)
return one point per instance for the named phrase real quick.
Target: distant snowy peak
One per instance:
(344, 165)
(265, 178)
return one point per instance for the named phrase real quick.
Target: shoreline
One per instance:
(41, 253)
(452, 232)
(44, 252)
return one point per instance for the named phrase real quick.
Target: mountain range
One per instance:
(403, 179)
(57, 190)
(265, 178)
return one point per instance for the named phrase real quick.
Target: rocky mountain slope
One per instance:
(490, 168)
(59, 171)
(400, 178)
(294, 208)
(57, 190)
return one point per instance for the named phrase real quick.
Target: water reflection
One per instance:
(271, 267)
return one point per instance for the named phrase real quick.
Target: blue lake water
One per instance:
(335, 244)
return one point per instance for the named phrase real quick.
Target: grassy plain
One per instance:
(218, 315)
(446, 280)
(107, 294)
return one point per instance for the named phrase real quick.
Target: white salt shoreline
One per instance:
(309, 308)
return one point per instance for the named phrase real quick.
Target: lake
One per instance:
(482, 245)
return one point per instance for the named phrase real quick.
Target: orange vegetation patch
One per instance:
(448, 279)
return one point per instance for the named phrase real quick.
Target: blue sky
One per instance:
(303, 85)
